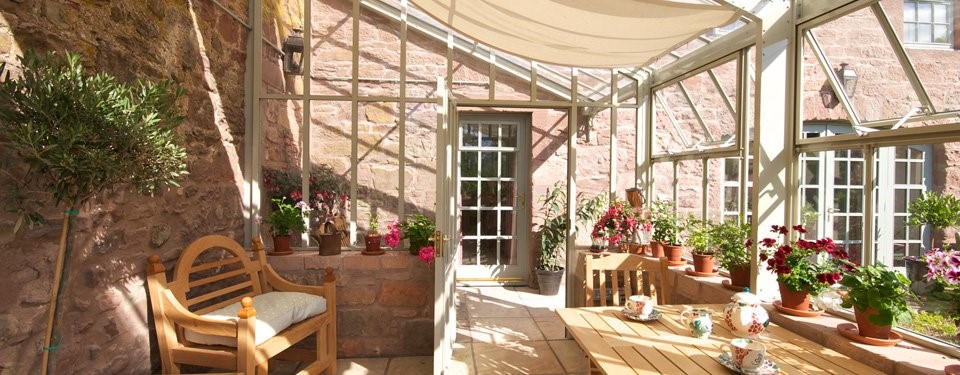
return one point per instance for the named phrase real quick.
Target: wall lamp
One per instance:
(293, 53)
(848, 80)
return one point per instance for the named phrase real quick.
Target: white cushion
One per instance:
(275, 312)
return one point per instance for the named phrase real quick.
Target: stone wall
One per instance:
(104, 322)
(384, 303)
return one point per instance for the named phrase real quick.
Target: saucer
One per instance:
(768, 367)
(649, 318)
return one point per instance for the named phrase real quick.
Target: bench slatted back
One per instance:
(235, 265)
(612, 278)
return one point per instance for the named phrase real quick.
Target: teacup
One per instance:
(699, 322)
(640, 305)
(747, 353)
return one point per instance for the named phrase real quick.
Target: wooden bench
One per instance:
(226, 276)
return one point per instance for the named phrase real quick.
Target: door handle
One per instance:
(439, 247)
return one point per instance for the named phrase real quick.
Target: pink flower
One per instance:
(392, 238)
(427, 255)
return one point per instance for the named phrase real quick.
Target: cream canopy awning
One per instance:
(582, 33)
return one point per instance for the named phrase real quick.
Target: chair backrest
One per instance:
(612, 278)
(209, 263)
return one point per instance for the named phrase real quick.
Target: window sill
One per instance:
(905, 358)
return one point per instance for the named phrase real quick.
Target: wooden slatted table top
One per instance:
(619, 345)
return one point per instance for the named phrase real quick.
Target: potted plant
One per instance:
(553, 234)
(331, 207)
(944, 272)
(589, 210)
(418, 229)
(284, 219)
(78, 135)
(617, 224)
(879, 299)
(803, 267)
(733, 244)
(702, 245)
(940, 211)
(372, 239)
(666, 231)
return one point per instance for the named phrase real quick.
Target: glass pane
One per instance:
(488, 193)
(910, 32)
(468, 164)
(488, 164)
(840, 200)
(730, 199)
(469, 252)
(924, 12)
(508, 162)
(508, 135)
(840, 172)
(731, 169)
(855, 231)
(900, 175)
(811, 172)
(508, 255)
(900, 200)
(468, 193)
(488, 252)
(856, 200)
(856, 173)
(941, 34)
(506, 223)
(488, 223)
(940, 13)
(488, 135)
(468, 223)
(924, 33)
(899, 227)
(470, 135)
(506, 193)
(916, 173)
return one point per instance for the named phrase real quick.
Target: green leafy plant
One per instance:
(285, 217)
(700, 236)
(278, 183)
(883, 289)
(418, 229)
(666, 223)
(81, 135)
(939, 210)
(374, 221)
(733, 243)
(553, 236)
(803, 265)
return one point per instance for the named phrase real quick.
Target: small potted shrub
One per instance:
(940, 211)
(418, 229)
(878, 296)
(372, 239)
(733, 245)
(284, 219)
(666, 231)
(702, 244)
(553, 236)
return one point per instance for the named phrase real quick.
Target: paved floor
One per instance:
(500, 331)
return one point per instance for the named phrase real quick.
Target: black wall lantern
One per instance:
(293, 53)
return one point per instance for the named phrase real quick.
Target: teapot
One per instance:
(744, 315)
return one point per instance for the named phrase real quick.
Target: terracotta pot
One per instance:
(656, 249)
(794, 300)
(740, 277)
(635, 248)
(951, 370)
(674, 253)
(372, 242)
(868, 329)
(281, 245)
(703, 263)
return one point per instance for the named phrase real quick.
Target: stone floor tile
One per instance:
(410, 365)
(507, 294)
(362, 366)
(571, 356)
(525, 357)
(463, 330)
(494, 307)
(551, 327)
(462, 360)
(502, 330)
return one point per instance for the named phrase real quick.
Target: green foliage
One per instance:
(933, 324)
(666, 223)
(732, 241)
(883, 289)
(81, 134)
(553, 236)
(940, 210)
(700, 236)
(280, 183)
(418, 229)
(287, 217)
(374, 220)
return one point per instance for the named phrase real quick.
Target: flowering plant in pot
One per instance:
(284, 219)
(702, 244)
(617, 224)
(733, 245)
(803, 267)
(944, 269)
(418, 229)
(878, 296)
(331, 208)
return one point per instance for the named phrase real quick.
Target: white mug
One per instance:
(640, 305)
(698, 321)
(747, 353)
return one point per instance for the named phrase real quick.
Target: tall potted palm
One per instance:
(553, 233)
(83, 134)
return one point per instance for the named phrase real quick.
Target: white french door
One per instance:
(493, 157)
(446, 236)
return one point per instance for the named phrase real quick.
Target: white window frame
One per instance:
(932, 44)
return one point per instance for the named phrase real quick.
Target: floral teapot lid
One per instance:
(745, 298)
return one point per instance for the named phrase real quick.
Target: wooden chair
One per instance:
(217, 280)
(610, 279)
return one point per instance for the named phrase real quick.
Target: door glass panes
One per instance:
(901, 176)
(488, 157)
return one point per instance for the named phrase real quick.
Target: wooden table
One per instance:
(619, 345)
